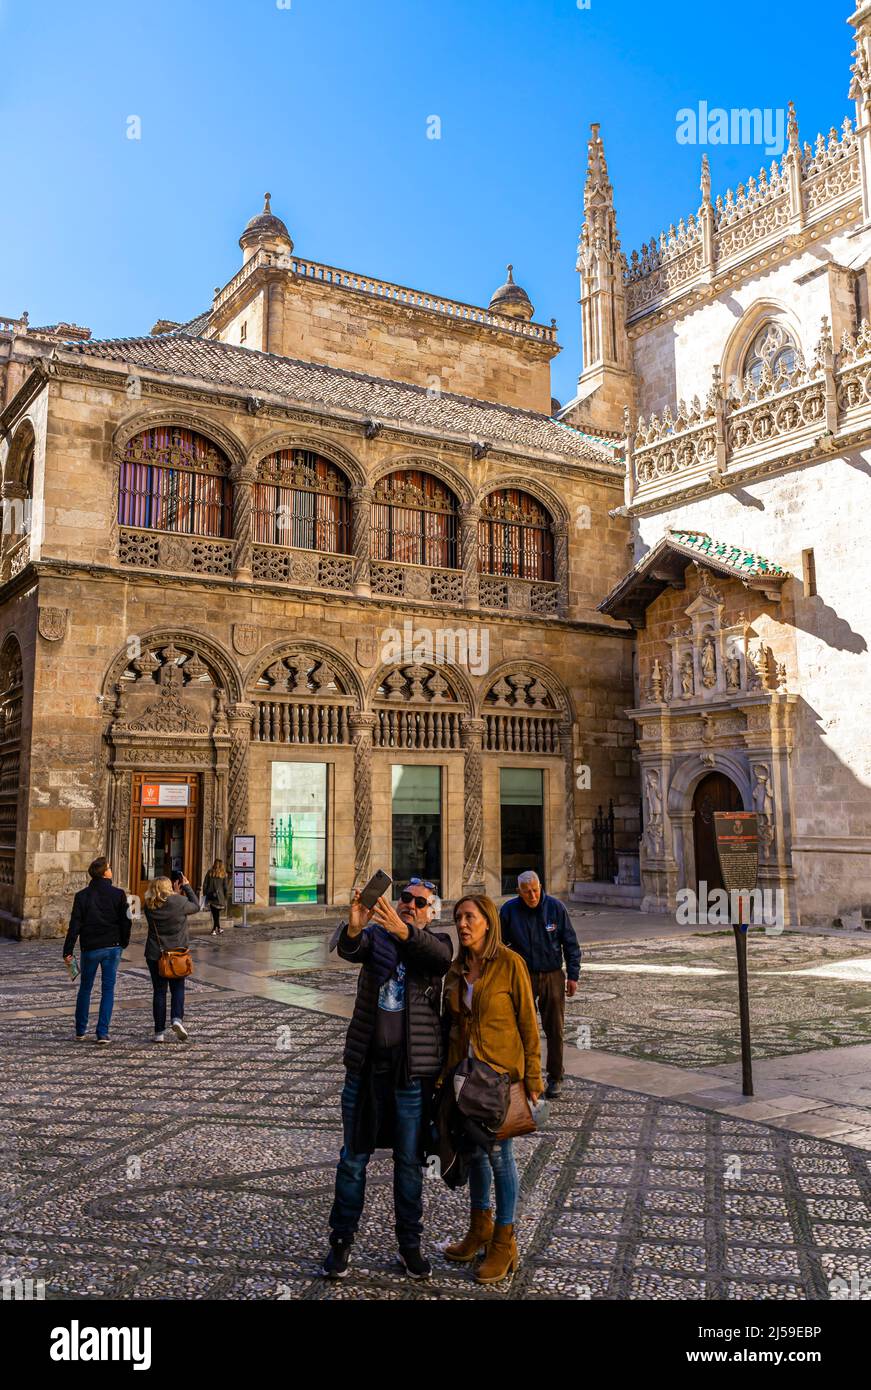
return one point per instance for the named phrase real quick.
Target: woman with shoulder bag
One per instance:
(215, 894)
(489, 1005)
(166, 912)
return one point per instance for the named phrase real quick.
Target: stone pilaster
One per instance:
(361, 732)
(472, 731)
(244, 478)
(567, 749)
(241, 717)
(470, 516)
(561, 564)
(361, 524)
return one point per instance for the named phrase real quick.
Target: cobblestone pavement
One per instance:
(205, 1171)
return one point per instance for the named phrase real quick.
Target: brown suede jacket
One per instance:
(504, 1026)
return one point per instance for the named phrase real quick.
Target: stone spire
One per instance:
(860, 91)
(600, 262)
(605, 385)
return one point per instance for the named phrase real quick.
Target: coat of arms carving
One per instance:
(245, 638)
(366, 651)
(52, 623)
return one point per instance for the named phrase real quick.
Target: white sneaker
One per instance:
(179, 1029)
(160, 1037)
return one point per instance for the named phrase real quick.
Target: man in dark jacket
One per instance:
(100, 920)
(540, 930)
(393, 1053)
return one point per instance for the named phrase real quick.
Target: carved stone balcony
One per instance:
(416, 582)
(167, 550)
(285, 565)
(518, 595)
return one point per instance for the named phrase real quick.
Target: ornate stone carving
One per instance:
(169, 713)
(53, 623)
(241, 716)
(362, 726)
(473, 784)
(416, 583)
(245, 638)
(367, 651)
(708, 663)
(763, 805)
(653, 830)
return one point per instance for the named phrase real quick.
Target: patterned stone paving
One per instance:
(205, 1171)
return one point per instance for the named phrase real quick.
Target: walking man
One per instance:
(393, 1051)
(540, 930)
(100, 920)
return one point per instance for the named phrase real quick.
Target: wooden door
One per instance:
(716, 792)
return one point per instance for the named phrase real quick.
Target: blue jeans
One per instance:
(407, 1168)
(106, 960)
(500, 1163)
(158, 1003)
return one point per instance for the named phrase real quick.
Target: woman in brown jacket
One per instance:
(488, 999)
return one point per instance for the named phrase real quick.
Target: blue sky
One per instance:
(326, 102)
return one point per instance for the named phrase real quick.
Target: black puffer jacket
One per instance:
(427, 957)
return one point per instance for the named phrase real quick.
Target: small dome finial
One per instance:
(510, 269)
(266, 206)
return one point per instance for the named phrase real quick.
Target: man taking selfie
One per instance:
(393, 1053)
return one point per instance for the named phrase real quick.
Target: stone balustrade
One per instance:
(740, 425)
(798, 190)
(385, 290)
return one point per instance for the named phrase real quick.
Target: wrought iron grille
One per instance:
(175, 480)
(515, 537)
(414, 521)
(604, 858)
(301, 500)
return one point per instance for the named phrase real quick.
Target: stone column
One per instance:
(470, 515)
(241, 718)
(244, 476)
(472, 731)
(361, 525)
(361, 732)
(567, 749)
(561, 564)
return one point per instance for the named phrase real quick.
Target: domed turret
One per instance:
(511, 299)
(265, 230)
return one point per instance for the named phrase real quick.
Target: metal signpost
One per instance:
(737, 838)
(244, 864)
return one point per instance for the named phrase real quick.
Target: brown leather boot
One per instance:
(501, 1257)
(462, 1252)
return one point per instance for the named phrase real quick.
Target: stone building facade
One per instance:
(254, 591)
(742, 366)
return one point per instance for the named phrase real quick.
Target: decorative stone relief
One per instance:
(245, 638)
(653, 829)
(763, 805)
(53, 623)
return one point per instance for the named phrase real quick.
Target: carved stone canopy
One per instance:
(665, 566)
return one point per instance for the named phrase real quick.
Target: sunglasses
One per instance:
(407, 897)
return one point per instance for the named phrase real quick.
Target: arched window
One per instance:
(515, 536)
(301, 500)
(414, 520)
(173, 479)
(772, 344)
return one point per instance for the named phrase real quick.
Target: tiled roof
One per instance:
(668, 560)
(182, 354)
(734, 557)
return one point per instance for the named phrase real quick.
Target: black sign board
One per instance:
(737, 836)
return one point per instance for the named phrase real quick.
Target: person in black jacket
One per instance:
(100, 920)
(166, 912)
(539, 929)
(393, 1053)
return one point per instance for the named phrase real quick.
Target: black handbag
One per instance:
(482, 1093)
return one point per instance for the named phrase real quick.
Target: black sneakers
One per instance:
(417, 1266)
(335, 1266)
(554, 1089)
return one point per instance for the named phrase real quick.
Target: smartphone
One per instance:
(377, 885)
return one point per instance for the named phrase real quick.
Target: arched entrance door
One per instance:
(716, 792)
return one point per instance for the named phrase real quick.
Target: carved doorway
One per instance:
(165, 828)
(716, 792)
